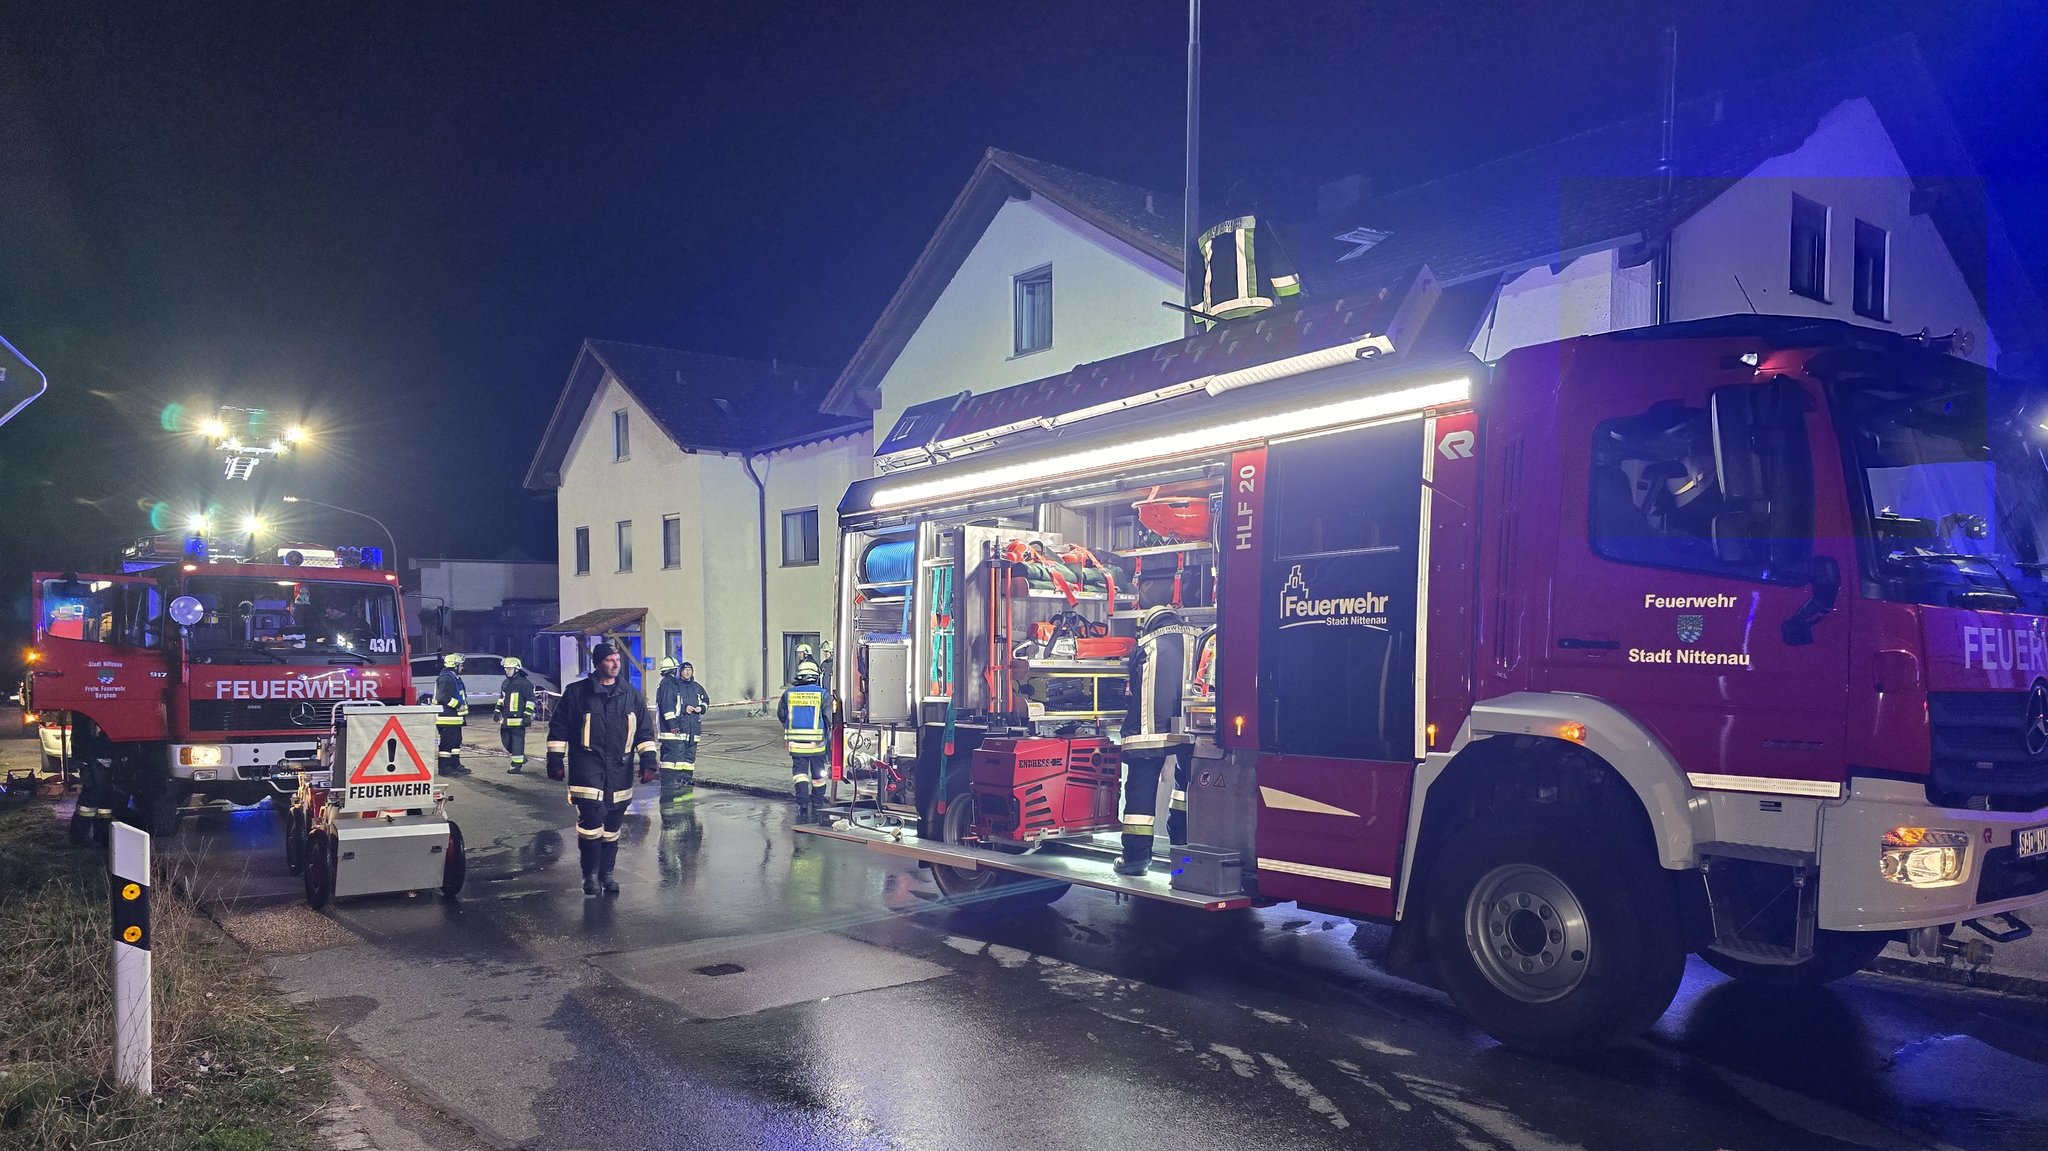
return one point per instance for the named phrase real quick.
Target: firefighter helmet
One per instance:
(803, 651)
(806, 672)
(452, 661)
(668, 664)
(512, 664)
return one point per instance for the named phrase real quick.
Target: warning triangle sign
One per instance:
(391, 758)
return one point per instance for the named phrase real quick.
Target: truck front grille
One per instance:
(2007, 876)
(310, 716)
(1979, 745)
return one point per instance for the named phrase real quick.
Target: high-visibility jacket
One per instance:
(1161, 667)
(1242, 275)
(805, 710)
(516, 701)
(453, 700)
(679, 704)
(600, 728)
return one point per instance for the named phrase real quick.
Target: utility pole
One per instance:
(1191, 204)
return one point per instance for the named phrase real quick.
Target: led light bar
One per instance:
(1379, 405)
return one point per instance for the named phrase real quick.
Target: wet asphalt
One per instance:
(751, 988)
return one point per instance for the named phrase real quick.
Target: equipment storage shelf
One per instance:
(1166, 550)
(1100, 665)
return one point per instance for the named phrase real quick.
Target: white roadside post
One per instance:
(133, 1017)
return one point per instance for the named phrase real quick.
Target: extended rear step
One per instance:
(1048, 862)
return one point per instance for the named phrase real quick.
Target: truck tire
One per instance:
(1554, 933)
(455, 867)
(985, 887)
(319, 870)
(1835, 954)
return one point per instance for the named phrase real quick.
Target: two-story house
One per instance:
(693, 502)
(1840, 190)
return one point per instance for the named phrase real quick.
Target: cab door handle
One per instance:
(1576, 644)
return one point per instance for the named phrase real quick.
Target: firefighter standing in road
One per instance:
(680, 702)
(599, 725)
(454, 711)
(805, 714)
(515, 712)
(1161, 666)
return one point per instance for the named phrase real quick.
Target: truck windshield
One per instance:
(293, 621)
(1954, 499)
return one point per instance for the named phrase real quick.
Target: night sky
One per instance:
(398, 219)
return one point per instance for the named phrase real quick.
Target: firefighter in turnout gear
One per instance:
(600, 725)
(454, 704)
(805, 712)
(515, 709)
(1245, 267)
(680, 703)
(1161, 667)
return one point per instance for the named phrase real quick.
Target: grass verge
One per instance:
(236, 1064)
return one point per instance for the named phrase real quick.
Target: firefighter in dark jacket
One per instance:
(1160, 668)
(599, 726)
(454, 703)
(680, 703)
(805, 712)
(515, 709)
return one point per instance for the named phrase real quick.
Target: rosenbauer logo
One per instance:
(1300, 608)
(363, 688)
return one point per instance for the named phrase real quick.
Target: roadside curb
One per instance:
(1958, 976)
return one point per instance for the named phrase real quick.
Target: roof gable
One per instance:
(1149, 222)
(700, 402)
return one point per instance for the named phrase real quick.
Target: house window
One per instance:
(800, 537)
(1809, 249)
(1873, 245)
(622, 439)
(671, 541)
(1032, 294)
(582, 551)
(672, 644)
(625, 529)
(791, 640)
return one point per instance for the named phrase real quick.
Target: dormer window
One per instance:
(1362, 240)
(1031, 295)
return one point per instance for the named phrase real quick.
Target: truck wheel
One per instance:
(294, 846)
(1835, 954)
(319, 870)
(985, 886)
(454, 868)
(1552, 932)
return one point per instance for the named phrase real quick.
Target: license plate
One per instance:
(2033, 841)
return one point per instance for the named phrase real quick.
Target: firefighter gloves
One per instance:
(650, 767)
(558, 765)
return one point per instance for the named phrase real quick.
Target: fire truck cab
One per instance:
(188, 677)
(1724, 636)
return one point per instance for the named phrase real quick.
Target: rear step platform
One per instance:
(1049, 862)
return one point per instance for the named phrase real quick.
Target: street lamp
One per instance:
(388, 538)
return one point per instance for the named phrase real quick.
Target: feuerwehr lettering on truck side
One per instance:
(1300, 608)
(363, 688)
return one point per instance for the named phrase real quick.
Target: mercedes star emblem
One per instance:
(2036, 733)
(305, 715)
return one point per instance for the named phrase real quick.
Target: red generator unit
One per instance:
(1029, 790)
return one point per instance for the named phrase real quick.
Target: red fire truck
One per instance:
(184, 676)
(1722, 636)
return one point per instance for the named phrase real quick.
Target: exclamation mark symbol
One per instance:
(390, 755)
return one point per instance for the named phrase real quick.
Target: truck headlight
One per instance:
(1923, 856)
(200, 756)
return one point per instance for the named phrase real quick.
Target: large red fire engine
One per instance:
(1723, 636)
(188, 676)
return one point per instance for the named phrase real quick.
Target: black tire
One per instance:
(1835, 954)
(294, 843)
(1554, 933)
(455, 867)
(164, 802)
(985, 886)
(319, 870)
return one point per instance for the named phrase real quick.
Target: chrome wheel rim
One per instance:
(1528, 933)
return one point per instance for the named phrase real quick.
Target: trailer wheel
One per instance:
(1836, 954)
(985, 886)
(319, 869)
(1553, 933)
(294, 846)
(454, 868)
